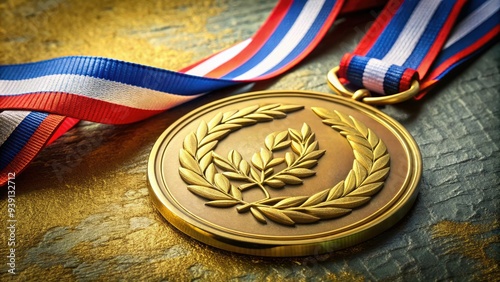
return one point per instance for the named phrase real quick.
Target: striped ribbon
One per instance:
(61, 91)
(421, 40)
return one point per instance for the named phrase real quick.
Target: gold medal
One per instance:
(284, 173)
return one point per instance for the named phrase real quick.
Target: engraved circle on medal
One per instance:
(287, 158)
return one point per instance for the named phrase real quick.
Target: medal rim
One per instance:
(279, 246)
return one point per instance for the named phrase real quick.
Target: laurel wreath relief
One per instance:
(209, 174)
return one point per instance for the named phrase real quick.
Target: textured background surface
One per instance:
(83, 208)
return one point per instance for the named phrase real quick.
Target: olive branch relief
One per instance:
(208, 174)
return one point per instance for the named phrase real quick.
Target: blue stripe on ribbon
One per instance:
(19, 137)
(392, 31)
(468, 39)
(427, 39)
(356, 69)
(119, 71)
(272, 42)
(309, 36)
(392, 79)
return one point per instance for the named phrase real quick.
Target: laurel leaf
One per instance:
(272, 201)
(345, 118)
(309, 140)
(379, 150)
(365, 161)
(259, 117)
(381, 163)
(244, 167)
(300, 217)
(214, 136)
(202, 130)
(282, 145)
(275, 162)
(377, 176)
(227, 115)
(360, 127)
(222, 203)
(350, 182)
(268, 107)
(269, 141)
(314, 155)
(268, 172)
(368, 189)
(281, 136)
(344, 130)
(289, 159)
(257, 161)
(258, 215)
(276, 216)
(187, 161)
(242, 121)
(336, 191)
(372, 138)
(289, 179)
(190, 144)
(275, 114)
(311, 148)
(295, 135)
(210, 173)
(222, 163)
(275, 183)
(296, 147)
(362, 149)
(332, 122)
(234, 157)
(203, 150)
(246, 186)
(234, 175)
(289, 108)
(316, 198)
(305, 131)
(360, 172)
(323, 113)
(208, 193)
(348, 202)
(214, 121)
(359, 140)
(291, 202)
(301, 172)
(225, 126)
(236, 192)
(222, 182)
(245, 111)
(266, 156)
(307, 164)
(327, 213)
(205, 162)
(255, 175)
(191, 177)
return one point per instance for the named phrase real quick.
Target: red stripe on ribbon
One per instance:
(32, 147)
(78, 107)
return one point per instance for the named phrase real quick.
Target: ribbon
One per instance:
(415, 40)
(63, 90)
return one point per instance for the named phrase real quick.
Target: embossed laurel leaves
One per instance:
(369, 170)
(198, 160)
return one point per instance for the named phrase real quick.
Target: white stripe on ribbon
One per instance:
(10, 120)
(411, 33)
(292, 38)
(473, 20)
(96, 88)
(373, 75)
(219, 59)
